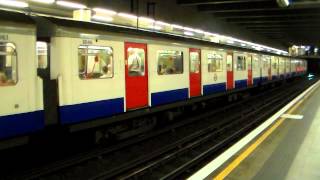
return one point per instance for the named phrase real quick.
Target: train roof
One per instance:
(73, 28)
(17, 17)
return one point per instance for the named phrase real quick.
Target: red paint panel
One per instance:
(230, 80)
(136, 86)
(195, 76)
(250, 81)
(249, 77)
(269, 74)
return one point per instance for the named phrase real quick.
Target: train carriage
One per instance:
(274, 67)
(90, 75)
(256, 69)
(265, 68)
(214, 71)
(169, 74)
(240, 69)
(103, 74)
(21, 105)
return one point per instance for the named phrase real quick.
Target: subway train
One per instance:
(58, 72)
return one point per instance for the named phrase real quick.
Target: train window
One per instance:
(265, 62)
(95, 62)
(241, 63)
(8, 64)
(136, 61)
(194, 62)
(42, 54)
(255, 62)
(170, 62)
(214, 62)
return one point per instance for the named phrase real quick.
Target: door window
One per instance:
(8, 64)
(229, 63)
(194, 62)
(136, 61)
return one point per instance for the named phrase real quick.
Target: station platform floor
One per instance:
(289, 148)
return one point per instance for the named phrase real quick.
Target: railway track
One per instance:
(175, 150)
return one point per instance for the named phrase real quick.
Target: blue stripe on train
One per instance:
(214, 88)
(256, 81)
(264, 79)
(92, 110)
(19, 124)
(169, 96)
(275, 77)
(240, 83)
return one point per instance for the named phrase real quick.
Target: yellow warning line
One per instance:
(253, 146)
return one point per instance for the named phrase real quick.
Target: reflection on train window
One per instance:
(255, 62)
(170, 62)
(265, 62)
(42, 54)
(8, 64)
(274, 65)
(214, 62)
(136, 61)
(95, 62)
(241, 63)
(194, 62)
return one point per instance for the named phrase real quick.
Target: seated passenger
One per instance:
(3, 79)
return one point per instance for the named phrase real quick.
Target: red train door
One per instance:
(230, 80)
(136, 69)
(269, 70)
(195, 72)
(249, 70)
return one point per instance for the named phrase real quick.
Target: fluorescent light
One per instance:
(188, 33)
(230, 42)
(13, 3)
(177, 26)
(188, 29)
(155, 27)
(44, 1)
(198, 31)
(105, 11)
(73, 5)
(125, 15)
(102, 18)
(146, 19)
(243, 45)
(162, 23)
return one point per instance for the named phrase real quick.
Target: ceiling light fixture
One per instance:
(72, 5)
(104, 11)
(102, 18)
(13, 3)
(44, 1)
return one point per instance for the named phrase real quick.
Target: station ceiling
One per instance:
(299, 23)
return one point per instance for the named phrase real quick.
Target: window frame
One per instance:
(182, 63)
(87, 47)
(17, 66)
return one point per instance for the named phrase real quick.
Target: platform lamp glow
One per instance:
(283, 3)
(72, 5)
(14, 3)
